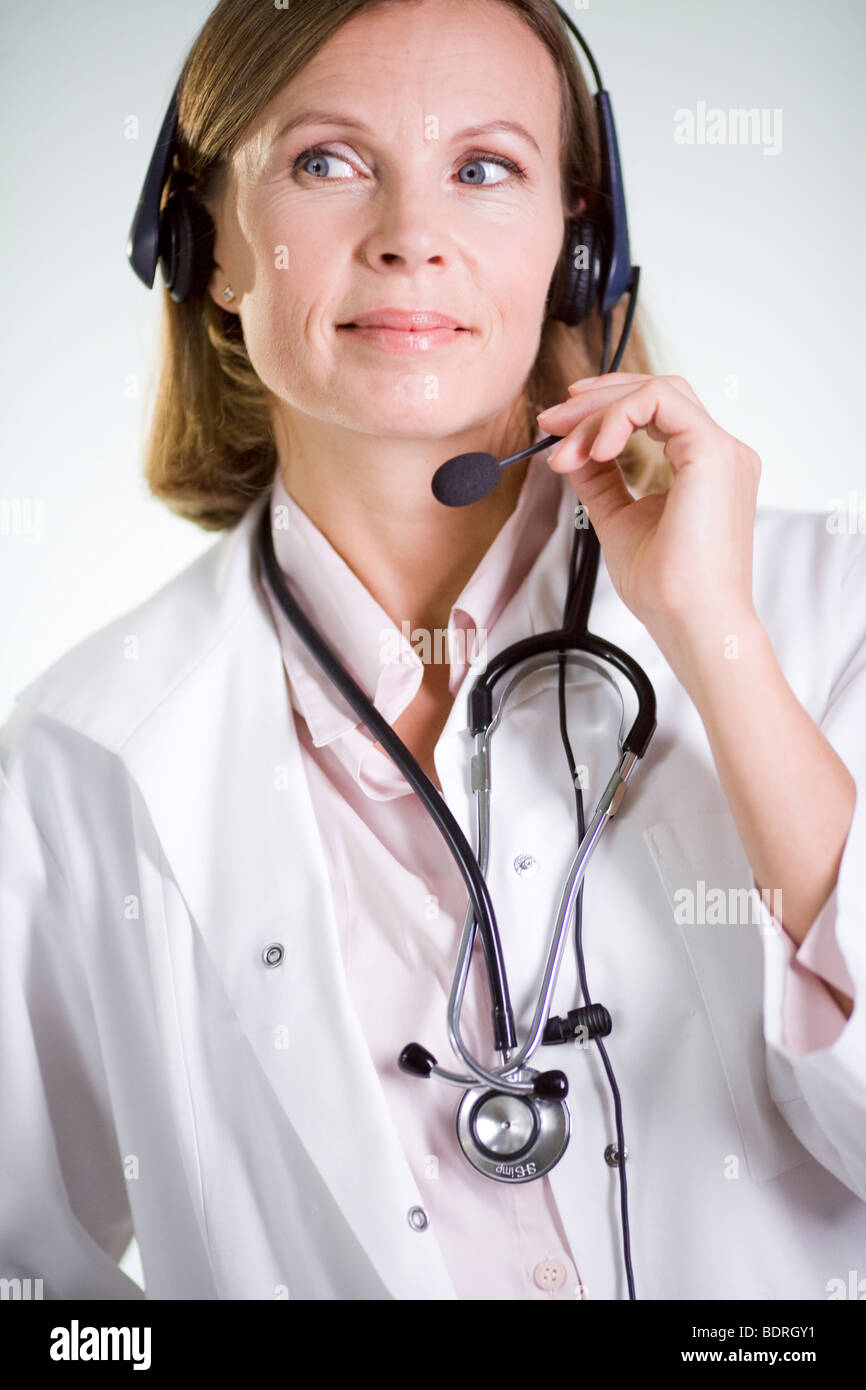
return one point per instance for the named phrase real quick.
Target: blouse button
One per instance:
(525, 865)
(549, 1275)
(273, 954)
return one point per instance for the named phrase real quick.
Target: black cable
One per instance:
(626, 327)
(581, 830)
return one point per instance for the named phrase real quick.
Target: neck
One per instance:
(371, 498)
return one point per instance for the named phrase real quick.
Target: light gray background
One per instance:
(751, 269)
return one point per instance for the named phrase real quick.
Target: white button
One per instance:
(525, 865)
(418, 1218)
(549, 1275)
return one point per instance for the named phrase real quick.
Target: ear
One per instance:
(220, 276)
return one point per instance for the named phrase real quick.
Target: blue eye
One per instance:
(316, 152)
(323, 155)
(508, 164)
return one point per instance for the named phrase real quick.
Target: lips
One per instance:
(403, 320)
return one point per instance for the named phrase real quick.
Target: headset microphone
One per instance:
(469, 477)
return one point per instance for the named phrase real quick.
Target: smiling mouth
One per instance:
(408, 341)
(386, 328)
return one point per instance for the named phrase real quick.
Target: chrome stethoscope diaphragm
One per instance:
(512, 1138)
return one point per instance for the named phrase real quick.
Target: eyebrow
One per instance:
(334, 118)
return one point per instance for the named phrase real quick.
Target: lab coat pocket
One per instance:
(708, 882)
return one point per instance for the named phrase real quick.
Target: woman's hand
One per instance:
(675, 559)
(682, 562)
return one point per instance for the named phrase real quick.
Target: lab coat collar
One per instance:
(189, 691)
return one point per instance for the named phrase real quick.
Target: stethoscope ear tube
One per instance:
(572, 637)
(637, 739)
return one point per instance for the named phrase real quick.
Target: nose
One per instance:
(408, 231)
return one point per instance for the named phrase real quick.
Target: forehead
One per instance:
(464, 62)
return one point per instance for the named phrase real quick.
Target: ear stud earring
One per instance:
(228, 293)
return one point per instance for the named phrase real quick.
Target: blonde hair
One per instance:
(210, 449)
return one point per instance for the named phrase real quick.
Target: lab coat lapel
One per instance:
(219, 766)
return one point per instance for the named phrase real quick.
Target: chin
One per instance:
(409, 420)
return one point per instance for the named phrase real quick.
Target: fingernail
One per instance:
(556, 452)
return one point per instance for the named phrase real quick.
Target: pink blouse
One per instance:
(400, 901)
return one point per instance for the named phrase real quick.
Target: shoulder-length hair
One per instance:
(210, 449)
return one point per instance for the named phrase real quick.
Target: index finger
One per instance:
(626, 378)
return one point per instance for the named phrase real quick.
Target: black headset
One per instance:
(594, 269)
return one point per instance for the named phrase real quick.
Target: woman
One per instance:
(225, 913)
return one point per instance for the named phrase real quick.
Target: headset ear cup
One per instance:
(580, 274)
(186, 242)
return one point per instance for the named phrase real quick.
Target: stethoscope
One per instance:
(513, 1123)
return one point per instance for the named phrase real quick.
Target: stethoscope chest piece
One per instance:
(512, 1138)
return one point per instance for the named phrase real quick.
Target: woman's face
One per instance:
(401, 208)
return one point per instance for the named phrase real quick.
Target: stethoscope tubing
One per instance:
(503, 1016)
(473, 865)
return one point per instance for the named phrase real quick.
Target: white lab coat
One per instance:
(156, 835)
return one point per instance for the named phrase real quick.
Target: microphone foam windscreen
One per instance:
(465, 479)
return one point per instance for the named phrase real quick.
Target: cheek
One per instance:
(301, 282)
(287, 296)
(519, 267)
(275, 331)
